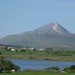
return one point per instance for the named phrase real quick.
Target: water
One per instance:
(41, 64)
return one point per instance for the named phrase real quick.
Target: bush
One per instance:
(16, 67)
(7, 71)
(30, 53)
(0, 53)
(53, 68)
(30, 57)
(34, 50)
(23, 50)
(6, 48)
(66, 69)
(16, 50)
(7, 65)
(69, 68)
(72, 67)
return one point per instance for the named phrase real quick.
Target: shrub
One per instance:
(23, 50)
(6, 48)
(66, 69)
(30, 53)
(34, 50)
(16, 67)
(46, 51)
(53, 68)
(52, 54)
(16, 50)
(72, 67)
(0, 53)
(7, 71)
(30, 57)
(7, 65)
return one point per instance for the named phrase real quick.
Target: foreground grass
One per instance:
(36, 73)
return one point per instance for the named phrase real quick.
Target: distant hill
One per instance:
(51, 35)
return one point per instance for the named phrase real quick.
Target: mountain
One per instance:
(50, 35)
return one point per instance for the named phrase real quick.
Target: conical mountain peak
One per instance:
(50, 35)
(59, 29)
(52, 28)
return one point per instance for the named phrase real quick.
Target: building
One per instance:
(12, 49)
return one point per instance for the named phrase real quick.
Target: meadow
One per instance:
(36, 73)
(51, 54)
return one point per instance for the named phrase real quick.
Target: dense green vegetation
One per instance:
(58, 52)
(72, 67)
(53, 68)
(47, 54)
(6, 65)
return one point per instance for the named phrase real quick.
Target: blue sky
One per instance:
(17, 16)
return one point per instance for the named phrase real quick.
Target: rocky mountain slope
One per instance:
(50, 35)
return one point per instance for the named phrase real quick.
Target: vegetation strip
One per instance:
(48, 54)
(36, 73)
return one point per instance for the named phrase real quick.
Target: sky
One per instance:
(17, 16)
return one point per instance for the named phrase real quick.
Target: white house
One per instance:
(12, 49)
(9, 47)
(31, 48)
(23, 48)
(41, 49)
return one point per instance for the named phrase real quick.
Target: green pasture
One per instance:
(51, 54)
(46, 52)
(36, 73)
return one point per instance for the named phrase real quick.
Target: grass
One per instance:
(36, 73)
(52, 54)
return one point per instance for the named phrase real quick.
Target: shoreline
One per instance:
(34, 57)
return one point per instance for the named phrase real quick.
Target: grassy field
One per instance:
(52, 54)
(36, 73)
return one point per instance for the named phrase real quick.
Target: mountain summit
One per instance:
(51, 28)
(50, 35)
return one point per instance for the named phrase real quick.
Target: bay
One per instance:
(40, 64)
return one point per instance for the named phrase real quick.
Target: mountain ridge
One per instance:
(50, 35)
(55, 26)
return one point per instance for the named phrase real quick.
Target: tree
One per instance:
(6, 48)
(7, 65)
(0, 53)
(16, 50)
(72, 67)
(34, 49)
(23, 50)
(66, 69)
